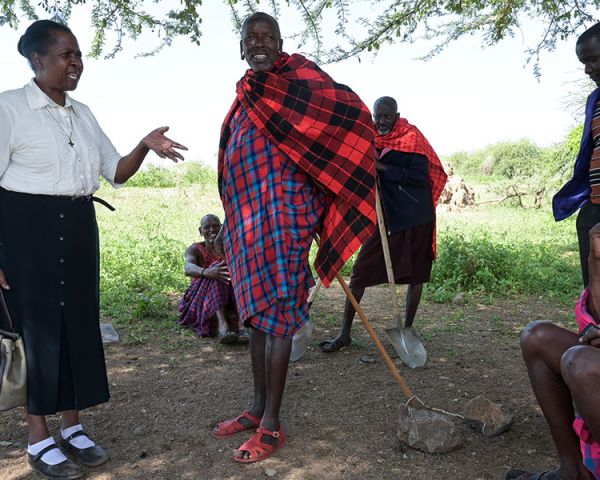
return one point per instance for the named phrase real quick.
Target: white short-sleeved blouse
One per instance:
(35, 152)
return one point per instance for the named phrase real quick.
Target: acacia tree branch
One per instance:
(389, 21)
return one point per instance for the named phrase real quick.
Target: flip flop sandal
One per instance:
(230, 427)
(330, 346)
(258, 450)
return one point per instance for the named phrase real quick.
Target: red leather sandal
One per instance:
(230, 427)
(258, 450)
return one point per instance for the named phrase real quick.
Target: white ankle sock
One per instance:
(83, 441)
(52, 457)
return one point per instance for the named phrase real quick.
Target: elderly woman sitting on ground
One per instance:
(208, 305)
(564, 370)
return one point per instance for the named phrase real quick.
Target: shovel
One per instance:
(404, 340)
(302, 337)
(411, 399)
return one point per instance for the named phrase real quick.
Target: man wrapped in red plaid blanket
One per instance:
(564, 370)
(411, 179)
(296, 159)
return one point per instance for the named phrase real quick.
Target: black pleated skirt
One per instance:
(49, 252)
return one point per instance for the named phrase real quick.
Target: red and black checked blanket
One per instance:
(326, 129)
(405, 137)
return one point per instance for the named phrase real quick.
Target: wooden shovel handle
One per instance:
(387, 256)
(386, 358)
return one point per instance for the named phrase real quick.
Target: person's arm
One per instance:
(593, 336)
(415, 174)
(6, 136)
(194, 267)
(7, 121)
(156, 141)
(193, 262)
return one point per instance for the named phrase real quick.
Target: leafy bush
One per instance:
(521, 160)
(515, 159)
(560, 159)
(485, 264)
(468, 163)
(184, 174)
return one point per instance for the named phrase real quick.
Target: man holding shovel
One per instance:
(411, 179)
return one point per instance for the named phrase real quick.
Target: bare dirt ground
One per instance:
(339, 413)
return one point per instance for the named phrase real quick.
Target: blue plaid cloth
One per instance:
(272, 210)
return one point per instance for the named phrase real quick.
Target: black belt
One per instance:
(73, 198)
(87, 198)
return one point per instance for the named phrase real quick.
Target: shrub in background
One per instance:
(485, 263)
(515, 159)
(183, 174)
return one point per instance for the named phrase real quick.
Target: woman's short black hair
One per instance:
(38, 37)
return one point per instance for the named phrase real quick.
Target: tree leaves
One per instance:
(352, 26)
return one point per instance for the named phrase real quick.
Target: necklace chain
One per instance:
(68, 135)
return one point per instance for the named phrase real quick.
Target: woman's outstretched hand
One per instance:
(163, 146)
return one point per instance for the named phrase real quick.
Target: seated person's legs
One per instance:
(564, 368)
(543, 346)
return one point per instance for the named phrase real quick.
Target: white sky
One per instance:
(463, 99)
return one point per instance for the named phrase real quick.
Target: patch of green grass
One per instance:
(331, 320)
(142, 245)
(500, 251)
(359, 343)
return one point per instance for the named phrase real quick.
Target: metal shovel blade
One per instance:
(408, 346)
(300, 341)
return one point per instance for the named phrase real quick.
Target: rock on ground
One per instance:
(459, 299)
(456, 193)
(487, 417)
(429, 431)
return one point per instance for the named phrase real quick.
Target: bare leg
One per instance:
(277, 360)
(69, 418)
(223, 326)
(258, 341)
(580, 367)
(38, 428)
(413, 297)
(270, 359)
(543, 346)
(343, 338)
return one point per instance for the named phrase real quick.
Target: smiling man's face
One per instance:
(261, 44)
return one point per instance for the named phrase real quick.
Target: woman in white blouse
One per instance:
(52, 153)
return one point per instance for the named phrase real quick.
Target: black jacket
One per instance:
(405, 190)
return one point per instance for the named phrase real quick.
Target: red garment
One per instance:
(204, 297)
(272, 209)
(326, 129)
(405, 137)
